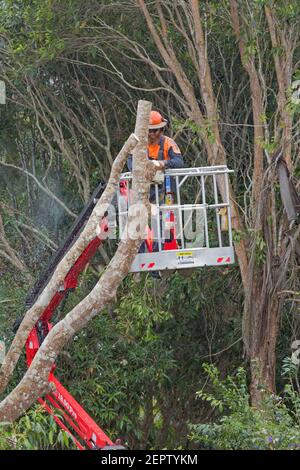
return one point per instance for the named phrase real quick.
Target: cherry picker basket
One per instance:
(191, 227)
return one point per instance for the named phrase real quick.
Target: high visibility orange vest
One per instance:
(160, 151)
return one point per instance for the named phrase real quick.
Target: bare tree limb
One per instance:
(89, 233)
(43, 187)
(35, 381)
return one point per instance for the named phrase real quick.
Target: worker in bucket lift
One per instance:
(163, 150)
(167, 155)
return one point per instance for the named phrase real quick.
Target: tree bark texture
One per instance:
(35, 381)
(269, 269)
(89, 233)
(269, 260)
(258, 110)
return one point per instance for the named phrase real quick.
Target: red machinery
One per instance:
(73, 419)
(169, 253)
(85, 432)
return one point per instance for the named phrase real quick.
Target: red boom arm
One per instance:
(75, 421)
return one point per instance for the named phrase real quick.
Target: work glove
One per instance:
(159, 176)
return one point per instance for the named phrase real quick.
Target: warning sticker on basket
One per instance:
(185, 257)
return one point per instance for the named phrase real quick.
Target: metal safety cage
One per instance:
(189, 229)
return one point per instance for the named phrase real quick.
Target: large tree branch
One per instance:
(257, 105)
(89, 233)
(204, 73)
(283, 67)
(171, 60)
(10, 254)
(35, 381)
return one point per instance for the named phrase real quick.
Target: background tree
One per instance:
(225, 75)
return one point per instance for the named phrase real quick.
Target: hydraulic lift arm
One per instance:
(169, 253)
(73, 419)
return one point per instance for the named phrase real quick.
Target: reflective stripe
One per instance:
(171, 144)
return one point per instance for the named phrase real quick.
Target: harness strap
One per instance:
(161, 148)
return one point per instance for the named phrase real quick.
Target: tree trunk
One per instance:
(269, 269)
(88, 234)
(35, 381)
(261, 337)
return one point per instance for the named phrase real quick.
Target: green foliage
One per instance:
(123, 361)
(132, 366)
(72, 78)
(12, 301)
(293, 105)
(238, 235)
(250, 50)
(260, 248)
(290, 368)
(275, 425)
(42, 24)
(270, 146)
(140, 313)
(199, 131)
(34, 431)
(180, 125)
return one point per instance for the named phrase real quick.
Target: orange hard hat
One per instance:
(156, 120)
